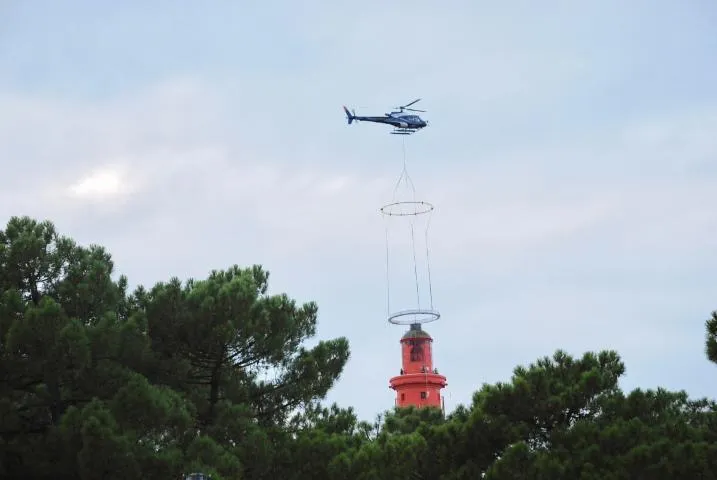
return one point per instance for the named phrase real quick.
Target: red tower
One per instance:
(419, 383)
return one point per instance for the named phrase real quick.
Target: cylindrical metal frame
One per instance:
(409, 208)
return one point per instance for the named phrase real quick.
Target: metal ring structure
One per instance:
(400, 209)
(419, 315)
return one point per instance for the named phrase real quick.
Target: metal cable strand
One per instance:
(428, 261)
(415, 267)
(388, 278)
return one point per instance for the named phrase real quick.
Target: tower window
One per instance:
(423, 395)
(403, 397)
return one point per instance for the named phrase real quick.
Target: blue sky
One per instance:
(571, 158)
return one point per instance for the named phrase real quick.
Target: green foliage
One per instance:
(214, 376)
(711, 341)
(96, 383)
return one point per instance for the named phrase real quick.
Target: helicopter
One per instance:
(403, 123)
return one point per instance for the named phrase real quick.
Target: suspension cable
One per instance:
(388, 278)
(415, 267)
(428, 262)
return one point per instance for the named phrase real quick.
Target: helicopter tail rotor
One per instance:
(349, 117)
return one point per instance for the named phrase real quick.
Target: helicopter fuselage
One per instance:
(397, 120)
(404, 123)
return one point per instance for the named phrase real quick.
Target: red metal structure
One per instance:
(419, 383)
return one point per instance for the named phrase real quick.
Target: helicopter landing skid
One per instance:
(402, 131)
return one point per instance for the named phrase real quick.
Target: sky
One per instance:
(571, 159)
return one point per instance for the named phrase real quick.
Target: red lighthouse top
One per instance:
(419, 383)
(416, 350)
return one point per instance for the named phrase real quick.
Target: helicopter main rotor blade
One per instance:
(409, 104)
(414, 110)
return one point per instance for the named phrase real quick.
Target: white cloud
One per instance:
(101, 184)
